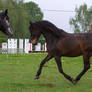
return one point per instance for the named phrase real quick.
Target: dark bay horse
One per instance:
(61, 43)
(5, 26)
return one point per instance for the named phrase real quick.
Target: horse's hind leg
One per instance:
(59, 64)
(86, 67)
(48, 57)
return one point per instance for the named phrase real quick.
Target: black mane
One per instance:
(50, 27)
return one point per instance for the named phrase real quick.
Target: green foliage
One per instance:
(42, 39)
(20, 14)
(34, 12)
(82, 20)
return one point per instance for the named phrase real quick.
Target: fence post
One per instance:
(45, 46)
(38, 47)
(4, 47)
(26, 49)
(21, 46)
(12, 46)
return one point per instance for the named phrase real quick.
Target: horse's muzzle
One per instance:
(34, 41)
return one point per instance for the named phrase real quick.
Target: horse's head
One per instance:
(35, 33)
(5, 24)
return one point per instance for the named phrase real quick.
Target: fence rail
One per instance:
(21, 46)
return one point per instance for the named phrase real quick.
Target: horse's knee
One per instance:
(61, 71)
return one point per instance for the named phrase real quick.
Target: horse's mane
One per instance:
(50, 27)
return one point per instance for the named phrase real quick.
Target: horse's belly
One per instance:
(73, 52)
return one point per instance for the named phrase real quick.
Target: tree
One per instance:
(82, 20)
(20, 21)
(20, 14)
(34, 12)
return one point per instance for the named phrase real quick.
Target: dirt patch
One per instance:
(55, 67)
(48, 85)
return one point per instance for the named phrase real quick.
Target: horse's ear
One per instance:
(6, 11)
(31, 23)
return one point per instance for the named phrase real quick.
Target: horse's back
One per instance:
(88, 42)
(75, 44)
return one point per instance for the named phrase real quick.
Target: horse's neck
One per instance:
(63, 33)
(50, 36)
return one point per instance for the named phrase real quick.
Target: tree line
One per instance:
(82, 21)
(20, 14)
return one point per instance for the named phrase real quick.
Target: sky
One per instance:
(65, 11)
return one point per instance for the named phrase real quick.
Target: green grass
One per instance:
(17, 73)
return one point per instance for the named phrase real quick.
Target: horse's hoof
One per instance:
(74, 82)
(37, 77)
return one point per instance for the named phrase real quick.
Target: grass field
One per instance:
(17, 74)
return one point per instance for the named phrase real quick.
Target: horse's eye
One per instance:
(7, 18)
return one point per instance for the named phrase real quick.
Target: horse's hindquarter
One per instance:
(75, 45)
(87, 42)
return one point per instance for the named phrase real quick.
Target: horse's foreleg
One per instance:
(48, 57)
(86, 67)
(59, 64)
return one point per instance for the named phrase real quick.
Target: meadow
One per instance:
(17, 73)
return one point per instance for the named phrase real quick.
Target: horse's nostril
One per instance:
(12, 33)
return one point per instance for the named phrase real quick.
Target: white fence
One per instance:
(21, 46)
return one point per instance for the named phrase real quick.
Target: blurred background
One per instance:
(73, 16)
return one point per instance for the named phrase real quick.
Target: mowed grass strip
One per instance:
(17, 73)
